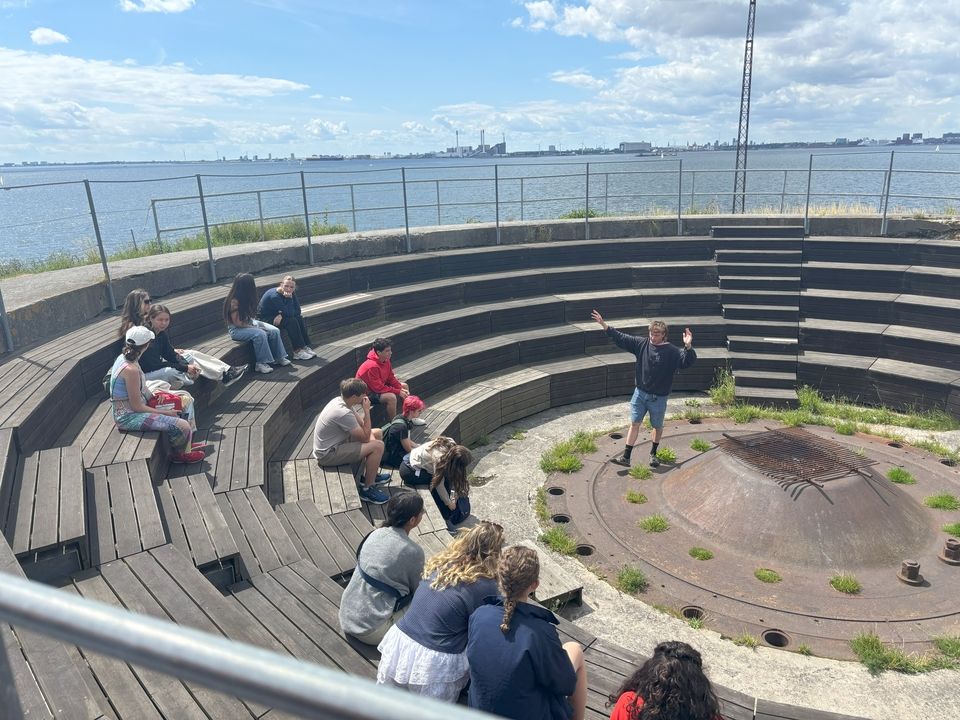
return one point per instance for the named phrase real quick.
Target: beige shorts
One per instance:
(345, 454)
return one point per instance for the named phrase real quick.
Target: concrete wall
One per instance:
(43, 306)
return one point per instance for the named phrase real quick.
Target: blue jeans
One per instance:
(267, 345)
(641, 403)
(170, 375)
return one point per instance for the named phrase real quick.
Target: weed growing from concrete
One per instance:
(631, 580)
(637, 498)
(700, 445)
(845, 428)
(540, 506)
(565, 456)
(745, 413)
(948, 645)
(804, 649)
(640, 472)
(667, 610)
(952, 529)
(846, 583)
(745, 639)
(654, 524)
(559, 540)
(700, 553)
(877, 657)
(667, 455)
(766, 575)
(900, 476)
(696, 623)
(723, 390)
(518, 435)
(942, 501)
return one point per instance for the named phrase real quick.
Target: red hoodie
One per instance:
(378, 374)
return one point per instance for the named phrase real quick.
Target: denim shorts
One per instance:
(642, 403)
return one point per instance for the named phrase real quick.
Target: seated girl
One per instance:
(670, 685)
(396, 436)
(449, 487)
(280, 307)
(129, 397)
(160, 361)
(135, 308)
(239, 312)
(418, 468)
(425, 652)
(518, 668)
(389, 567)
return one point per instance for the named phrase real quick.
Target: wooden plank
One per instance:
(72, 520)
(46, 502)
(19, 691)
(274, 486)
(22, 502)
(316, 540)
(145, 503)
(125, 529)
(100, 530)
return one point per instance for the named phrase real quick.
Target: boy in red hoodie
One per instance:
(377, 372)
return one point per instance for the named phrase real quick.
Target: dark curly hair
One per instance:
(672, 686)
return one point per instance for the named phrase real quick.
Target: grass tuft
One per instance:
(723, 390)
(518, 435)
(640, 472)
(667, 455)
(900, 476)
(745, 413)
(877, 656)
(540, 505)
(952, 529)
(631, 580)
(846, 583)
(845, 428)
(695, 623)
(700, 445)
(804, 649)
(637, 498)
(745, 639)
(948, 645)
(667, 610)
(767, 575)
(558, 539)
(942, 501)
(654, 524)
(700, 553)
(565, 456)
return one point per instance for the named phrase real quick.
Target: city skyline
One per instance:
(188, 79)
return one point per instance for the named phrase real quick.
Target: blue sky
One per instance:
(167, 79)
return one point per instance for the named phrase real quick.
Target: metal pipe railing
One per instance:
(248, 672)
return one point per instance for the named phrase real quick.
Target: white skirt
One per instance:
(407, 664)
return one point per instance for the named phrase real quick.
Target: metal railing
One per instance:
(375, 198)
(245, 671)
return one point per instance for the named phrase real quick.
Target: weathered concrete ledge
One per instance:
(47, 305)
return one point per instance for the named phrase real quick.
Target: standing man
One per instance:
(657, 362)
(343, 436)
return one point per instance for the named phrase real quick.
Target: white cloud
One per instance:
(542, 14)
(160, 6)
(46, 36)
(326, 130)
(578, 78)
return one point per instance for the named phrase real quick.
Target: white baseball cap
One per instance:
(139, 335)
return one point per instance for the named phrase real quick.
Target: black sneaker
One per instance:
(654, 462)
(233, 373)
(621, 460)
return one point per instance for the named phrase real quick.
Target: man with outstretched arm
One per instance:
(657, 363)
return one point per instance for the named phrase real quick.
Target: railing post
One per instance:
(886, 198)
(521, 199)
(437, 185)
(496, 198)
(406, 212)
(5, 324)
(806, 210)
(680, 198)
(586, 207)
(306, 218)
(103, 255)
(693, 187)
(156, 224)
(606, 197)
(263, 235)
(353, 208)
(206, 231)
(783, 191)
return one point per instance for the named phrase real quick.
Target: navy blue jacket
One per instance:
(656, 364)
(524, 674)
(273, 303)
(437, 619)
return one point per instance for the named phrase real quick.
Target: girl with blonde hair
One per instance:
(425, 651)
(518, 668)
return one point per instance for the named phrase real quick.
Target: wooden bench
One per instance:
(193, 522)
(332, 489)
(122, 513)
(315, 538)
(261, 538)
(44, 521)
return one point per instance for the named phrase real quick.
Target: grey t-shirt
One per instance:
(333, 427)
(390, 556)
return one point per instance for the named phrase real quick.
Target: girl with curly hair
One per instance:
(425, 652)
(669, 686)
(518, 668)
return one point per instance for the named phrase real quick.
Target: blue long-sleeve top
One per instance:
(656, 364)
(437, 619)
(272, 303)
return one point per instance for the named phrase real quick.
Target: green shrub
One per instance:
(810, 399)
(700, 445)
(943, 501)
(631, 580)
(767, 575)
(845, 583)
(667, 455)
(654, 524)
(723, 390)
(580, 214)
(558, 539)
(640, 472)
(700, 553)
(637, 498)
(900, 476)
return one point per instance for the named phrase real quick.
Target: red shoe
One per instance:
(186, 458)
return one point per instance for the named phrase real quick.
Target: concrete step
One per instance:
(791, 270)
(762, 328)
(765, 379)
(781, 313)
(557, 587)
(757, 282)
(758, 256)
(771, 362)
(757, 231)
(775, 397)
(771, 345)
(733, 296)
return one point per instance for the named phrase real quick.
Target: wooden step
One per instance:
(776, 397)
(736, 296)
(750, 344)
(757, 231)
(726, 255)
(759, 244)
(767, 269)
(762, 328)
(765, 379)
(772, 362)
(758, 282)
(785, 313)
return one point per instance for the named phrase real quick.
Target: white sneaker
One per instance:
(283, 361)
(302, 355)
(418, 421)
(263, 368)
(310, 352)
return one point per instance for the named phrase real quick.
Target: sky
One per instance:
(88, 80)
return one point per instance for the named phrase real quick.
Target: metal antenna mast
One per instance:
(740, 176)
